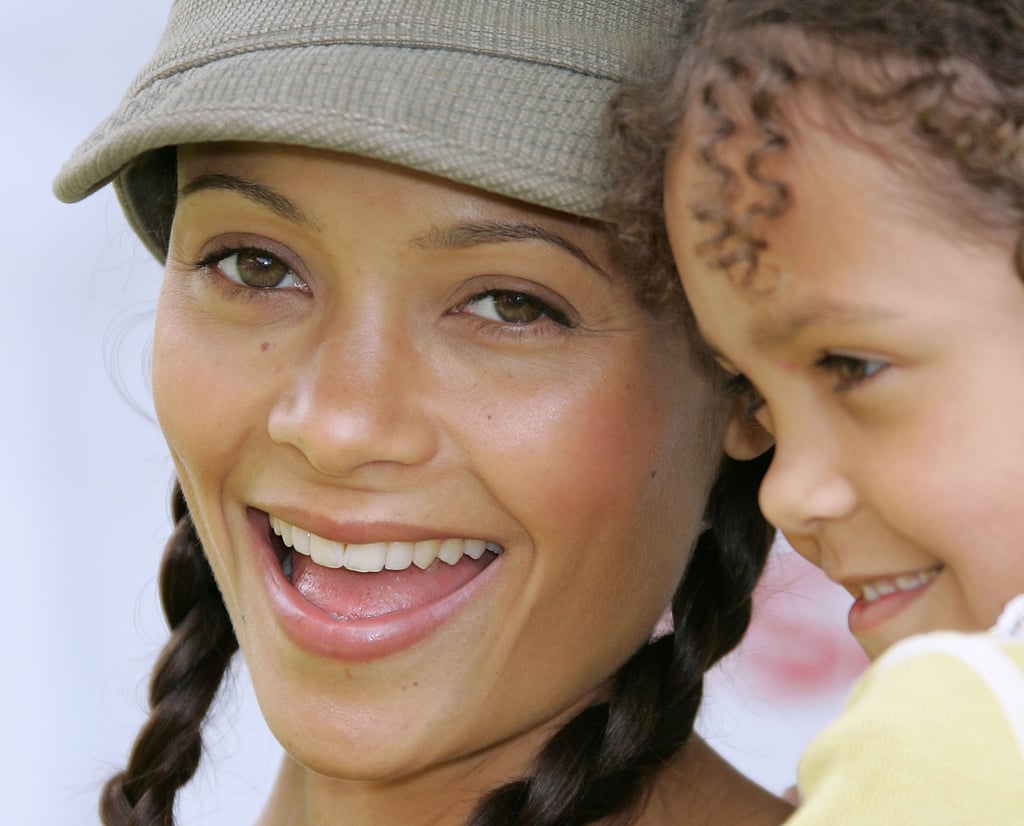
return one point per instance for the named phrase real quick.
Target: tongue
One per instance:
(351, 595)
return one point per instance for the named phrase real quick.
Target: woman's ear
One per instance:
(745, 437)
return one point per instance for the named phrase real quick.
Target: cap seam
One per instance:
(185, 65)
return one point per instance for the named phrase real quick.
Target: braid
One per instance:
(184, 683)
(600, 762)
(713, 604)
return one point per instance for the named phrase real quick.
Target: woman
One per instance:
(443, 461)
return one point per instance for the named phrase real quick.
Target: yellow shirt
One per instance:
(933, 734)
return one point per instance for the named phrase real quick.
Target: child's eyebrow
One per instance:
(784, 326)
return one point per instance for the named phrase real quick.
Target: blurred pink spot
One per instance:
(798, 644)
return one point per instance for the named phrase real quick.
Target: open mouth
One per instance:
(352, 582)
(873, 591)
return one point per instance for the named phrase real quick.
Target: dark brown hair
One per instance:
(933, 87)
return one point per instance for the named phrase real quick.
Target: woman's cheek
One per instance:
(206, 382)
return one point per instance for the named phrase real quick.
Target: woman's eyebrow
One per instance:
(256, 192)
(472, 233)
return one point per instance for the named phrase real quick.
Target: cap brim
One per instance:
(471, 118)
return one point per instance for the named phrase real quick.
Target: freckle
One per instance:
(265, 346)
(415, 684)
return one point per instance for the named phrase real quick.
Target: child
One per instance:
(845, 200)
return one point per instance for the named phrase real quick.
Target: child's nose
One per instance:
(805, 487)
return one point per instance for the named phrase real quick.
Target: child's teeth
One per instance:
(872, 591)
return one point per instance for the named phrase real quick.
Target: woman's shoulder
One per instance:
(699, 787)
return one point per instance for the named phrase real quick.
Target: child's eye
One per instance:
(511, 307)
(851, 370)
(739, 386)
(254, 268)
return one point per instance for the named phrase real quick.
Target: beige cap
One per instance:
(504, 95)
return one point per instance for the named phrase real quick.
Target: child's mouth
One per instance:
(873, 591)
(876, 602)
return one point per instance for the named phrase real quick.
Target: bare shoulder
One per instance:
(699, 787)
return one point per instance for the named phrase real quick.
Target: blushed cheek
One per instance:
(597, 460)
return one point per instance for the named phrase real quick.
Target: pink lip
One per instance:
(866, 617)
(361, 640)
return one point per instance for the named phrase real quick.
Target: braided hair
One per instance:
(183, 685)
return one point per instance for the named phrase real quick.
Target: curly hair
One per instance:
(942, 76)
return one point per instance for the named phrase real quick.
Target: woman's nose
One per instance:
(357, 400)
(805, 487)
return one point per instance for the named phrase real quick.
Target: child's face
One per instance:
(888, 347)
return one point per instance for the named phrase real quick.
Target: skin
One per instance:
(884, 341)
(377, 385)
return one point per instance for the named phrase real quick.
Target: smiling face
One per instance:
(362, 366)
(887, 344)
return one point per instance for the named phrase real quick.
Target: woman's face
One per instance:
(383, 366)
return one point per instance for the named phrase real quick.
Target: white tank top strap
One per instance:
(1011, 621)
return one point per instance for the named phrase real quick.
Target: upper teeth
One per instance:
(871, 591)
(376, 556)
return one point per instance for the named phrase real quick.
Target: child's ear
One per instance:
(745, 437)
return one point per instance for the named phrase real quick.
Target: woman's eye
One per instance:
(257, 269)
(851, 370)
(509, 307)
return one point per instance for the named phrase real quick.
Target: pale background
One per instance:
(84, 480)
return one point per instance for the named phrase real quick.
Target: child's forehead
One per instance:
(756, 91)
(769, 185)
